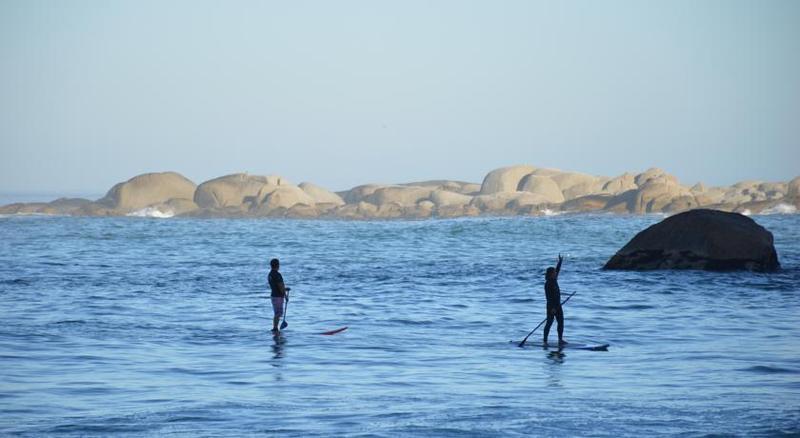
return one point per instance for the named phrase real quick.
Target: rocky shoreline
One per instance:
(507, 191)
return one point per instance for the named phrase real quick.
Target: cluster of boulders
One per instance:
(515, 190)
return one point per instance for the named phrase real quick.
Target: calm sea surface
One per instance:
(161, 327)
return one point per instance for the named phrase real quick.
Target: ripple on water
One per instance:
(130, 326)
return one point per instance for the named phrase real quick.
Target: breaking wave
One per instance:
(152, 212)
(781, 209)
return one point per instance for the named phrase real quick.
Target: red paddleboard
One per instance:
(333, 332)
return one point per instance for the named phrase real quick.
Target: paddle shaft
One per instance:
(540, 324)
(285, 324)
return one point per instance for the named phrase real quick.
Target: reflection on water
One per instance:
(278, 342)
(557, 356)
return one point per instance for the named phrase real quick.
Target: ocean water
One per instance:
(140, 327)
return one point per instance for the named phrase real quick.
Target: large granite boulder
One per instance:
(148, 189)
(445, 197)
(700, 239)
(465, 188)
(359, 193)
(574, 185)
(360, 210)
(698, 188)
(793, 188)
(654, 174)
(451, 211)
(755, 191)
(620, 184)
(587, 203)
(736, 195)
(286, 196)
(546, 171)
(681, 203)
(321, 195)
(239, 190)
(543, 186)
(774, 190)
(527, 199)
(495, 202)
(707, 196)
(654, 195)
(401, 195)
(302, 211)
(505, 179)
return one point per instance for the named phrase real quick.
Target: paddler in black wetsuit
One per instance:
(553, 294)
(278, 293)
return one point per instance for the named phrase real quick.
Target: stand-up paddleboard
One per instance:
(334, 331)
(569, 346)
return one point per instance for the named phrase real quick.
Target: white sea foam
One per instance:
(747, 212)
(152, 212)
(548, 212)
(781, 209)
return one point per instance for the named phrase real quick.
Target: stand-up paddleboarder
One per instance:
(278, 295)
(553, 294)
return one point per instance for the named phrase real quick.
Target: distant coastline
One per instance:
(507, 191)
(7, 198)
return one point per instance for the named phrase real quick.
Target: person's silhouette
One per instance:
(553, 294)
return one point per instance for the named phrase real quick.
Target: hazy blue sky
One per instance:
(348, 92)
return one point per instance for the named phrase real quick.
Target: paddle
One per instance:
(521, 344)
(285, 324)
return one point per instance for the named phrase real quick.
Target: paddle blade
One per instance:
(284, 324)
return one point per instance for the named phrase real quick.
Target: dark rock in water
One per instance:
(700, 239)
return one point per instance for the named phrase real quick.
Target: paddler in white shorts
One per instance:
(279, 293)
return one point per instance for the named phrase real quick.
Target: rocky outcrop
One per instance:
(495, 202)
(708, 196)
(587, 203)
(574, 185)
(170, 208)
(404, 196)
(620, 184)
(700, 239)
(523, 200)
(655, 194)
(514, 190)
(543, 186)
(239, 190)
(505, 179)
(443, 198)
(286, 196)
(359, 193)
(793, 188)
(464, 188)
(61, 206)
(544, 171)
(360, 210)
(147, 190)
(321, 195)
(655, 191)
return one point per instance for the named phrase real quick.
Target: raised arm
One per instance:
(558, 266)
